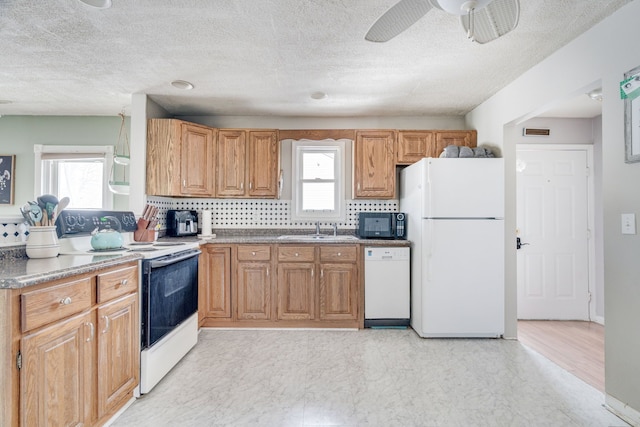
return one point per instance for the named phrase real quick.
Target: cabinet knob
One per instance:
(65, 301)
(253, 253)
(296, 253)
(339, 253)
(124, 282)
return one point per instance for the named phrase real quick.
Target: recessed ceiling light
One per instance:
(318, 95)
(181, 84)
(99, 4)
(596, 94)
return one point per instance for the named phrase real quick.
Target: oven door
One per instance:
(169, 294)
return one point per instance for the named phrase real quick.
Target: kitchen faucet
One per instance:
(317, 227)
(335, 228)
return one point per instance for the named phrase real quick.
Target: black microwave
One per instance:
(382, 225)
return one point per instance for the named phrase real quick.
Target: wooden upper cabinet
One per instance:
(248, 163)
(413, 146)
(374, 163)
(264, 157)
(180, 158)
(462, 138)
(232, 146)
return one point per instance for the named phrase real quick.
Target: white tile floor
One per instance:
(364, 378)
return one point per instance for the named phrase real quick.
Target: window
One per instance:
(318, 179)
(78, 172)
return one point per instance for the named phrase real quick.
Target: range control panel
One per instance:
(79, 222)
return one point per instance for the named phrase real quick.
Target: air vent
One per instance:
(536, 132)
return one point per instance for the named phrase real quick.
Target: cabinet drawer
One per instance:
(338, 253)
(57, 302)
(254, 253)
(296, 253)
(116, 283)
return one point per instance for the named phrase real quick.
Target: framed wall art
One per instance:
(7, 173)
(631, 87)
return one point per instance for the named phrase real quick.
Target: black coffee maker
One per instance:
(182, 223)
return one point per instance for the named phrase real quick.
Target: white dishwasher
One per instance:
(387, 298)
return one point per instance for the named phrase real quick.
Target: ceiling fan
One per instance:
(483, 20)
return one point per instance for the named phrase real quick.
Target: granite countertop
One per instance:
(304, 239)
(20, 272)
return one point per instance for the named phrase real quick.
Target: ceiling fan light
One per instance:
(98, 4)
(459, 7)
(493, 21)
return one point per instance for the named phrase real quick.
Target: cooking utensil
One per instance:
(47, 202)
(24, 210)
(35, 213)
(63, 203)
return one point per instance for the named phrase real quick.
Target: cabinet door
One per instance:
(118, 352)
(374, 165)
(264, 157)
(254, 291)
(296, 291)
(231, 163)
(413, 146)
(214, 289)
(459, 138)
(197, 160)
(56, 376)
(338, 292)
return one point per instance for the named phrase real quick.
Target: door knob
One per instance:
(519, 243)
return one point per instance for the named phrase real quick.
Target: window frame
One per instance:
(298, 148)
(76, 151)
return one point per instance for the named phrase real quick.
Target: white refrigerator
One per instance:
(455, 222)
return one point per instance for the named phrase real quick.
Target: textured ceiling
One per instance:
(264, 57)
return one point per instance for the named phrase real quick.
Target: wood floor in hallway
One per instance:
(575, 346)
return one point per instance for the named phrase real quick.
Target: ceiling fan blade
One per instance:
(401, 16)
(493, 21)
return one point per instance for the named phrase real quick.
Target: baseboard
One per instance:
(599, 320)
(622, 410)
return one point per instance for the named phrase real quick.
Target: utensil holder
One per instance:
(144, 234)
(42, 242)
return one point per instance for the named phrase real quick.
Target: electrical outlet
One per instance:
(628, 223)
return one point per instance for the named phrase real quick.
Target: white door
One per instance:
(552, 221)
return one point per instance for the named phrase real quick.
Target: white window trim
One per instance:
(299, 146)
(106, 150)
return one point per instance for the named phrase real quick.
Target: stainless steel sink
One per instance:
(318, 237)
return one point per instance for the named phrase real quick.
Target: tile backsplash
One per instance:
(13, 232)
(227, 214)
(263, 213)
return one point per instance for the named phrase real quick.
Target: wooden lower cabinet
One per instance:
(118, 352)
(214, 283)
(282, 285)
(338, 291)
(254, 291)
(58, 373)
(73, 368)
(296, 291)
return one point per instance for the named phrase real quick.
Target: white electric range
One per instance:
(168, 286)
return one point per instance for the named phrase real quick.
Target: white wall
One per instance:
(600, 56)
